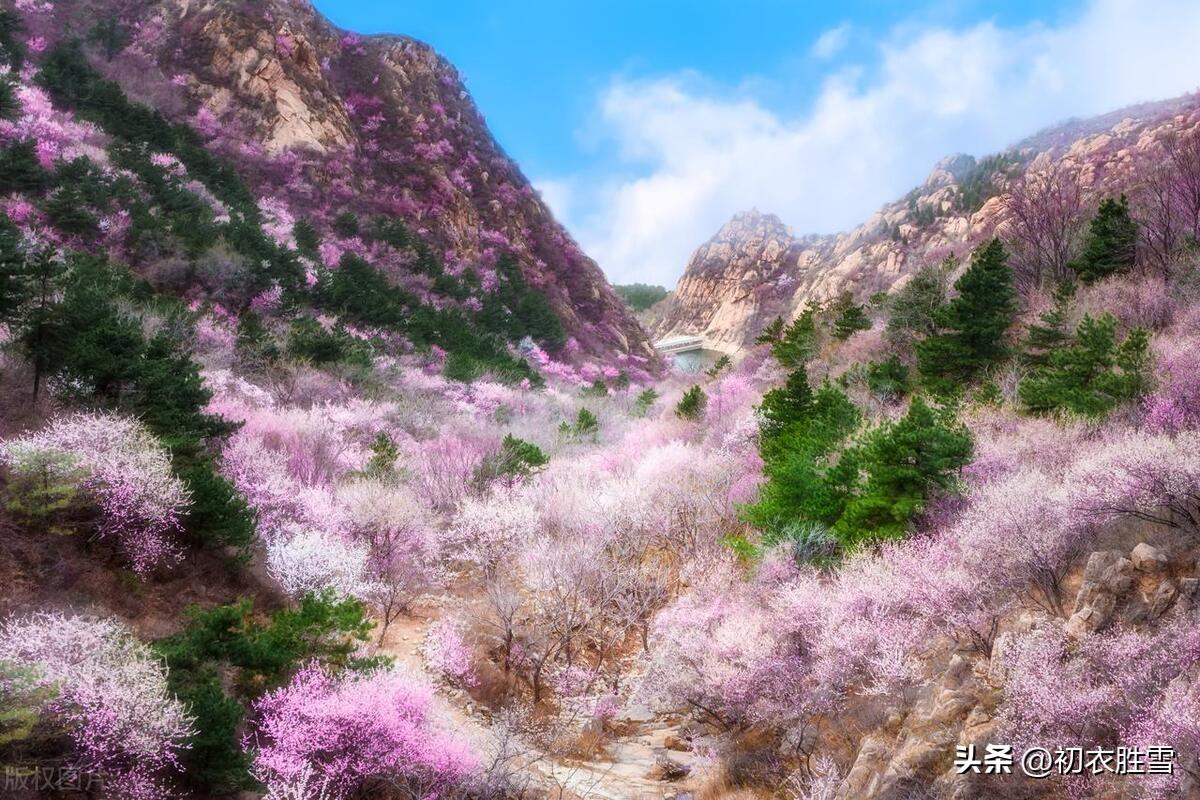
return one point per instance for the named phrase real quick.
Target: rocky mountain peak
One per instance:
(754, 268)
(949, 170)
(320, 122)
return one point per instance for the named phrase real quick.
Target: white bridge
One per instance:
(688, 353)
(679, 344)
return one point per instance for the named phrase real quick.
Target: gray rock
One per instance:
(1148, 558)
(1107, 578)
(667, 768)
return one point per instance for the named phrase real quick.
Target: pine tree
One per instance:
(851, 318)
(12, 42)
(888, 379)
(1092, 375)
(170, 396)
(798, 343)
(972, 326)
(345, 224)
(110, 36)
(643, 402)
(785, 405)
(19, 168)
(904, 463)
(912, 310)
(1051, 333)
(808, 479)
(771, 333)
(10, 108)
(1110, 245)
(39, 329)
(13, 288)
(308, 241)
(101, 346)
(691, 406)
(68, 212)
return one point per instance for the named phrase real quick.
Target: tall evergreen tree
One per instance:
(851, 318)
(68, 212)
(39, 330)
(1092, 375)
(1110, 245)
(904, 462)
(798, 342)
(1050, 333)
(785, 405)
(972, 326)
(19, 168)
(13, 288)
(12, 42)
(771, 333)
(912, 310)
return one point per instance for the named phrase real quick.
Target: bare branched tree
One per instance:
(1045, 208)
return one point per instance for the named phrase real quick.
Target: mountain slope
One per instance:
(755, 269)
(320, 122)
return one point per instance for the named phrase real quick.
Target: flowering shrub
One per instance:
(446, 650)
(340, 734)
(124, 468)
(108, 691)
(307, 561)
(1175, 405)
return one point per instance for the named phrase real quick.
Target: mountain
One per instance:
(319, 122)
(755, 268)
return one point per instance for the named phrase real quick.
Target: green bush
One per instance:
(971, 327)
(912, 310)
(43, 495)
(516, 458)
(309, 341)
(586, 425)
(384, 453)
(691, 406)
(12, 41)
(597, 388)
(1110, 244)
(645, 399)
(719, 366)
(225, 658)
(20, 170)
(903, 462)
(888, 379)
(345, 224)
(851, 318)
(1093, 374)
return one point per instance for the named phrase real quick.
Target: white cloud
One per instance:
(688, 158)
(831, 42)
(557, 195)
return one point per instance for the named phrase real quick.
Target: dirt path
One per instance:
(626, 770)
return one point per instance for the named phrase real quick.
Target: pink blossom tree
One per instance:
(109, 692)
(123, 467)
(1155, 478)
(358, 733)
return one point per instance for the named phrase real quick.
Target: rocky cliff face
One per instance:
(320, 121)
(755, 269)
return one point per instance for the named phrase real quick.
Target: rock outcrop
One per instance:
(320, 121)
(754, 269)
(911, 753)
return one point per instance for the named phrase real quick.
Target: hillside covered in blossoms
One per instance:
(331, 468)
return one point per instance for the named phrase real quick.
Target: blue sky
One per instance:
(647, 124)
